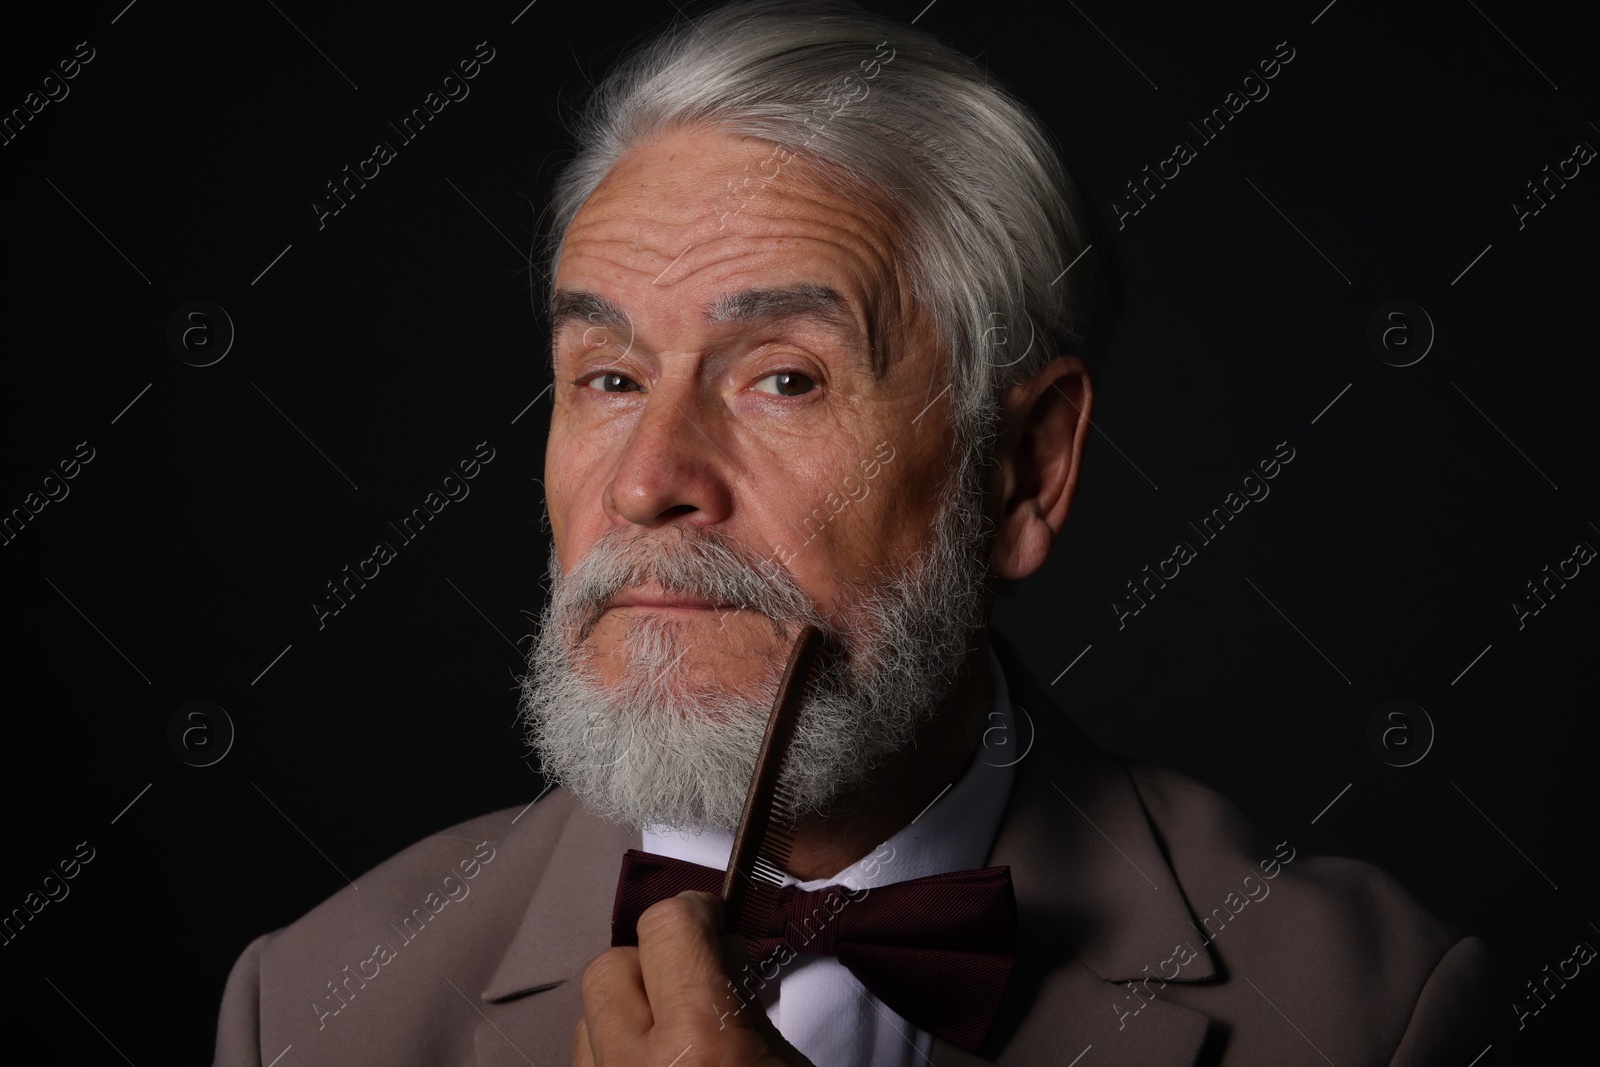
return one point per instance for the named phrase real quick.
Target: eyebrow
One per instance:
(571, 305)
(818, 303)
(798, 301)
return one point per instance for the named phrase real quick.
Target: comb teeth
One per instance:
(767, 872)
(776, 844)
(765, 838)
(771, 864)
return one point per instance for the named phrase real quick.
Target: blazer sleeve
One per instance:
(1454, 1019)
(239, 1023)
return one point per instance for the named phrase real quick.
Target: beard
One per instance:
(662, 747)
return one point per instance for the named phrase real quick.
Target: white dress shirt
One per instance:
(816, 1003)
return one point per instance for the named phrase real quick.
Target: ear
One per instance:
(1044, 423)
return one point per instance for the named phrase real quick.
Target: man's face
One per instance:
(750, 433)
(765, 421)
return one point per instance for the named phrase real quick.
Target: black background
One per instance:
(184, 561)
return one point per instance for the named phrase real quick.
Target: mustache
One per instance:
(688, 560)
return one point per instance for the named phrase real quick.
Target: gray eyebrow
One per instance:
(571, 305)
(819, 302)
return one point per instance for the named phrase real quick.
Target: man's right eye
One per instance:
(611, 382)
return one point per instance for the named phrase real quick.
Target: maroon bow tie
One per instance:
(938, 950)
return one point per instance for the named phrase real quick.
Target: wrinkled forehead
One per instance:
(698, 225)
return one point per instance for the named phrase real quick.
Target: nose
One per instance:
(673, 466)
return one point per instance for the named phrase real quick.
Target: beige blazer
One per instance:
(1156, 928)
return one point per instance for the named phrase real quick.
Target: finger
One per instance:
(582, 1053)
(680, 955)
(616, 1009)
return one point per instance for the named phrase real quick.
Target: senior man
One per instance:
(818, 360)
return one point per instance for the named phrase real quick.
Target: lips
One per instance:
(655, 597)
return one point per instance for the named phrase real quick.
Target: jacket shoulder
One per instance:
(377, 947)
(1333, 938)
(1346, 910)
(447, 866)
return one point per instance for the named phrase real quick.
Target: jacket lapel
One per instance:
(568, 919)
(567, 923)
(1098, 907)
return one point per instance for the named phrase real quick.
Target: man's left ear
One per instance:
(1044, 423)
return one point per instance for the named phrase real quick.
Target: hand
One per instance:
(649, 1006)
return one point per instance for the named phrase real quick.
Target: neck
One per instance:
(905, 784)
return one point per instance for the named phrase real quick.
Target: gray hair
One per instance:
(988, 218)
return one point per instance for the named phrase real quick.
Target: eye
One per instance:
(611, 382)
(788, 383)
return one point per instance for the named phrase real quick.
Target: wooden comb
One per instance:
(761, 846)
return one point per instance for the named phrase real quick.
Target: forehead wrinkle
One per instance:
(871, 331)
(775, 304)
(870, 241)
(861, 229)
(865, 227)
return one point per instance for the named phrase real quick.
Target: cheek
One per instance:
(907, 498)
(575, 481)
(903, 505)
(884, 529)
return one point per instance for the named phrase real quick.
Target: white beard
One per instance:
(649, 749)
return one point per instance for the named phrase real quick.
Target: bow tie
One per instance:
(938, 950)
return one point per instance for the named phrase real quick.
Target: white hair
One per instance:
(987, 216)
